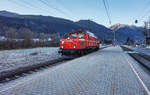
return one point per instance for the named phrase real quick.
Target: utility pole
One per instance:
(145, 32)
(148, 30)
(114, 36)
(148, 33)
(89, 28)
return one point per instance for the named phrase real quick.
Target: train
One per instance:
(78, 42)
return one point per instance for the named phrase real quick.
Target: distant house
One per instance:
(41, 40)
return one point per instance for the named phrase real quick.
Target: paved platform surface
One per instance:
(105, 72)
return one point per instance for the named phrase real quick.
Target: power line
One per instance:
(62, 4)
(107, 12)
(50, 6)
(108, 8)
(26, 5)
(145, 14)
(31, 5)
(144, 11)
(107, 4)
(108, 15)
(12, 1)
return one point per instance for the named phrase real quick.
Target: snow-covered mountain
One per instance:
(124, 31)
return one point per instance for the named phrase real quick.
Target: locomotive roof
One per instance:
(82, 31)
(77, 31)
(91, 34)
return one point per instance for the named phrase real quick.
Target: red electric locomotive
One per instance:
(78, 42)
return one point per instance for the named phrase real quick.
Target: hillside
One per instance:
(101, 31)
(124, 31)
(8, 14)
(42, 23)
(47, 25)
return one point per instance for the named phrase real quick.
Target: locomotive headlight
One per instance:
(74, 46)
(62, 42)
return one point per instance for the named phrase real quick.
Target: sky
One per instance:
(121, 11)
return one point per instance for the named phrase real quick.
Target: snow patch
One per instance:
(17, 58)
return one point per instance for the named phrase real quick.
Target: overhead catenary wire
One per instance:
(24, 1)
(109, 18)
(16, 3)
(147, 12)
(107, 12)
(108, 7)
(107, 4)
(27, 5)
(144, 8)
(53, 7)
(144, 12)
(62, 4)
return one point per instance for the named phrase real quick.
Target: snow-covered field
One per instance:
(13, 59)
(10, 59)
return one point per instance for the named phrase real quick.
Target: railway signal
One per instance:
(136, 21)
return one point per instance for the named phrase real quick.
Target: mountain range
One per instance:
(49, 25)
(123, 31)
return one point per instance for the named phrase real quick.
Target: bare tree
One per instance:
(42, 36)
(11, 33)
(27, 36)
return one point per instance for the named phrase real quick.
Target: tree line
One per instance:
(25, 38)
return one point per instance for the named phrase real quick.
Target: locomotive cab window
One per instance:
(80, 36)
(74, 36)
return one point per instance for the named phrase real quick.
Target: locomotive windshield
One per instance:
(74, 36)
(66, 36)
(80, 36)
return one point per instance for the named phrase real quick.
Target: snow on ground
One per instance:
(143, 50)
(10, 59)
(148, 47)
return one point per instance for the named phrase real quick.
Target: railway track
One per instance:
(141, 58)
(16, 73)
(11, 74)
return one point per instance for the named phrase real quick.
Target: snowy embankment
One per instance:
(13, 59)
(140, 54)
(148, 47)
(141, 50)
